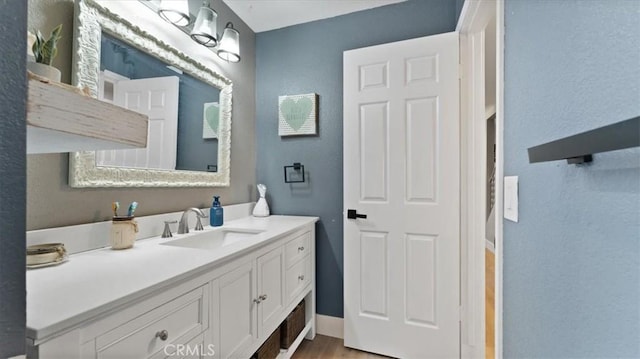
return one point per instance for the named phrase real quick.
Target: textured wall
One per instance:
(13, 94)
(572, 263)
(51, 202)
(308, 58)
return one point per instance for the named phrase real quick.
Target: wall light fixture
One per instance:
(175, 11)
(203, 30)
(229, 49)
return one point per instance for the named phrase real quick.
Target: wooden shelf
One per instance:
(288, 353)
(579, 148)
(61, 118)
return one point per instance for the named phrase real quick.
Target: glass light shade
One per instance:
(204, 30)
(175, 11)
(229, 49)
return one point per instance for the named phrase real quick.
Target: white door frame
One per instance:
(473, 19)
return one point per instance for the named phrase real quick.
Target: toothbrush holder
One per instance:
(123, 232)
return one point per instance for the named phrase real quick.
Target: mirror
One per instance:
(184, 111)
(110, 53)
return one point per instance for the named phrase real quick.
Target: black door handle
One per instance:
(353, 214)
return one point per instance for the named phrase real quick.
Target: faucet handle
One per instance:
(167, 230)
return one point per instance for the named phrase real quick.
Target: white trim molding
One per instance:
(499, 207)
(330, 326)
(475, 16)
(490, 246)
(90, 22)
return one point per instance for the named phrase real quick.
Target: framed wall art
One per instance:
(298, 115)
(210, 120)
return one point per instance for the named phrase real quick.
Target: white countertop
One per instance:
(94, 282)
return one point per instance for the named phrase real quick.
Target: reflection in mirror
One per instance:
(93, 22)
(183, 111)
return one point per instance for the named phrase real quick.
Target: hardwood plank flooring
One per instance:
(489, 304)
(328, 347)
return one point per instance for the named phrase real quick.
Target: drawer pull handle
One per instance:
(163, 335)
(300, 249)
(263, 297)
(301, 277)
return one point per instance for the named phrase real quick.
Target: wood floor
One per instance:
(327, 347)
(489, 274)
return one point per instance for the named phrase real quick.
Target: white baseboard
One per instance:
(330, 326)
(490, 246)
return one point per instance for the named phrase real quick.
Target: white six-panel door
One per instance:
(402, 170)
(157, 98)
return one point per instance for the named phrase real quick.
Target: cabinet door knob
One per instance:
(163, 335)
(300, 249)
(301, 277)
(263, 297)
(258, 300)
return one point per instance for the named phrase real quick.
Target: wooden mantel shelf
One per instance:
(61, 118)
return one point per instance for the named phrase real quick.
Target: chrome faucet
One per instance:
(183, 227)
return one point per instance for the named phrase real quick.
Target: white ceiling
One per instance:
(265, 15)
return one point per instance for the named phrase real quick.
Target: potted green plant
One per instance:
(43, 51)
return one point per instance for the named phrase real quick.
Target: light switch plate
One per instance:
(511, 198)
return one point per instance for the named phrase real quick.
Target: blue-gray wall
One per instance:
(572, 263)
(193, 152)
(308, 58)
(13, 94)
(459, 5)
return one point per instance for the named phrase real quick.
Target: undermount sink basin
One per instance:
(214, 239)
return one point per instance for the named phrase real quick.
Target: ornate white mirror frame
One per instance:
(91, 20)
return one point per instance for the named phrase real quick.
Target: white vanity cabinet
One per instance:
(235, 316)
(156, 333)
(151, 328)
(270, 301)
(251, 302)
(225, 310)
(298, 272)
(255, 299)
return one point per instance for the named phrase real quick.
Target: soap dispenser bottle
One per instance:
(216, 214)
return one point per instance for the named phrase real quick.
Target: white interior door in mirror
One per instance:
(158, 99)
(106, 85)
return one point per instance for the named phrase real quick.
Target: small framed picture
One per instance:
(298, 115)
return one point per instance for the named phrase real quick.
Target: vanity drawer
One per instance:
(298, 277)
(297, 248)
(181, 320)
(196, 348)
